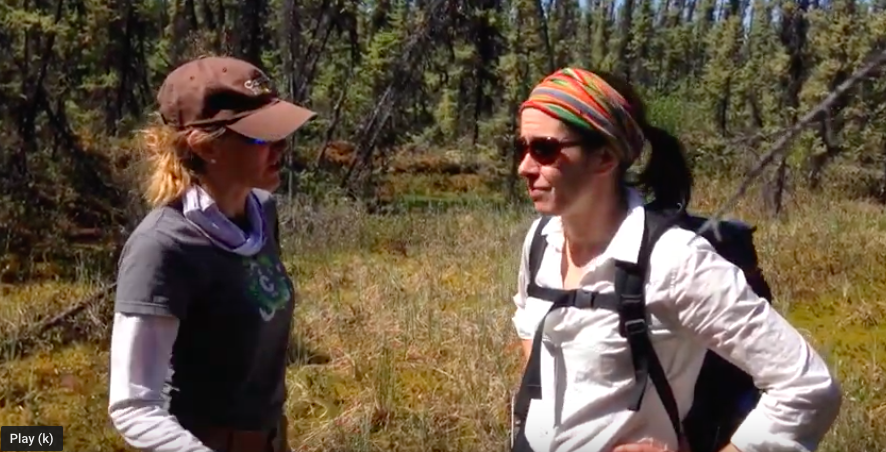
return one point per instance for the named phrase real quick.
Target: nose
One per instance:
(528, 166)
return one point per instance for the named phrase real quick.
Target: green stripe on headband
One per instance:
(569, 117)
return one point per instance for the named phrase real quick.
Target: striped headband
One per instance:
(584, 100)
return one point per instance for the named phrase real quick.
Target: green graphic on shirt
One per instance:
(267, 285)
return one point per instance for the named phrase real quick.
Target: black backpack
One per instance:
(724, 394)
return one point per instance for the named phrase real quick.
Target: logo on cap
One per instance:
(260, 85)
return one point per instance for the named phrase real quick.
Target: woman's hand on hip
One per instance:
(646, 445)
(657, 446)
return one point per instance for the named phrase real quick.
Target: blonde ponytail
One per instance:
(172, 165)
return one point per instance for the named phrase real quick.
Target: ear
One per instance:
(208, 150)
(604, 161)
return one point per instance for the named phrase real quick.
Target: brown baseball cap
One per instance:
(230, 92)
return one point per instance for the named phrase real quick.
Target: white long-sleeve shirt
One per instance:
(141, 346)
(697, 301)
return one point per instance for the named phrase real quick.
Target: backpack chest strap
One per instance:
(576, 298)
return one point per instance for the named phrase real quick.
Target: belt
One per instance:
(225, 439)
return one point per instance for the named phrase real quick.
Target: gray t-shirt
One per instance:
(229, 359)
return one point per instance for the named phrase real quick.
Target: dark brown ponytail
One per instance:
(667, 175)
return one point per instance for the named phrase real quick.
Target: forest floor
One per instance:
(404, 333)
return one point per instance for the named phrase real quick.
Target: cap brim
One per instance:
(274, 122)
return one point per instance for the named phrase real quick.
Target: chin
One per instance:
(546, 209)
(545, 206)
(269, 184)
(550, 203)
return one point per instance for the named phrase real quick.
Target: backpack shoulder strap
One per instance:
(537, 248)
(630, 281)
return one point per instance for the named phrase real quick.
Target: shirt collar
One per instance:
(625, 244)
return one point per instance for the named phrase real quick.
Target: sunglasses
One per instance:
(258, 142)
(544, 150)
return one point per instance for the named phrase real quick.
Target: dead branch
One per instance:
(781, 146)
(31, 334)
(79, 306)
(413, 53)
(336, 117)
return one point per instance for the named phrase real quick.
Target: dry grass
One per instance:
(406, 334)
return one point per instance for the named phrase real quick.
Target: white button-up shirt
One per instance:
(697, 300)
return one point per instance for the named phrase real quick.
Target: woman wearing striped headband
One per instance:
(589, 364)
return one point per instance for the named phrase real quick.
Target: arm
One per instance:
(714, 303)
(527, 350)
(524, 323)
(140, 351)
(153, 292)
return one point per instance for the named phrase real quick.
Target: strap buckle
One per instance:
(632, 314)
(634, 327)
(583, 299)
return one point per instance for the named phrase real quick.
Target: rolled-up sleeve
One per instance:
(524, 323)
(801, 399)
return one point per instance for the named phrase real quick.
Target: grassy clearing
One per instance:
(404, 323)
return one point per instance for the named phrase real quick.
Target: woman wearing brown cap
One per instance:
(203, 304)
